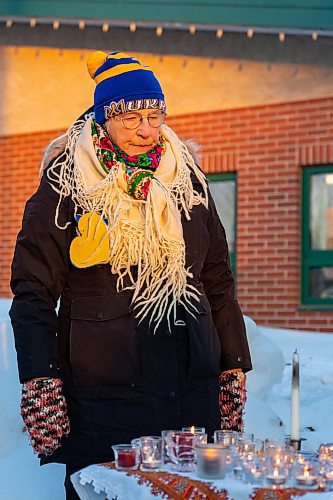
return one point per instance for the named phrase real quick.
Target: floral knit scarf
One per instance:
(139, 169)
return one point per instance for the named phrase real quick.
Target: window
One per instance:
(317, 237)
(224, 191)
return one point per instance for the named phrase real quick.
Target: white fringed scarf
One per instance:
(143, 233)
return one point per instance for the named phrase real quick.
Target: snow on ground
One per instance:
(267, 408)
(316, 383)
(21, 476)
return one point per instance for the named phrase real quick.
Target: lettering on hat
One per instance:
(120, 107)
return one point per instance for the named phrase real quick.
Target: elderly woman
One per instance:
(123, 230)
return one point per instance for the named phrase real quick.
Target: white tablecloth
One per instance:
(99, 483)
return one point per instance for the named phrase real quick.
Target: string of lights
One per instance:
(220, 30)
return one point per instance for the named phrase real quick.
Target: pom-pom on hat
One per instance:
(122, 84)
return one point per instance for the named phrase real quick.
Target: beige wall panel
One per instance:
(46, 89)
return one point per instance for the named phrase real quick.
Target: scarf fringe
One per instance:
(182, 188)
(162, 278)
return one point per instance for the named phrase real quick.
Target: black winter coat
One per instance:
(120, 380)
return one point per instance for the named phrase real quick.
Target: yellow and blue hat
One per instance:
(122, 84)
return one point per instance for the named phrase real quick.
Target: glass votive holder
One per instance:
(181, 450)
(151, 453)
(277, 456)
(136, 442)
(270, 445)
(127, 456)
(325, 455)
(254, 471)
(211, 460)
(237, 470)
(328, 477)
(299, 458)
(164, 434)
(226, 438)
(306, 474)
(244, 446)
(276, 475)
(202, 438)
(258, 445)
(194, 430)
(325, 449)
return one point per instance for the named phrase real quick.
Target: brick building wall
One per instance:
(267, 147)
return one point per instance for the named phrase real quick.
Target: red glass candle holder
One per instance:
(127, 456)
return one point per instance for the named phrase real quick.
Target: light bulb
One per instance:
(250, 33)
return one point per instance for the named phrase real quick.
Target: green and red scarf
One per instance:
(139, 169)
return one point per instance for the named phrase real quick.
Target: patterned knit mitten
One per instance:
(44, 411)
(232, 400)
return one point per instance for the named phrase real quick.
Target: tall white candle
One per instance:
(295, 432)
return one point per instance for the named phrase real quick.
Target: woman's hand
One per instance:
(44, 412)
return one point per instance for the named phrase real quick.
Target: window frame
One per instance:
(312, 258)
(228, 176)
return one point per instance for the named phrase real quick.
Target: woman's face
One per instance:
(137, 140)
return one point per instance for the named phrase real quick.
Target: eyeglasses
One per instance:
(134, 120)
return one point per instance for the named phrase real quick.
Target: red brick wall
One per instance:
(20, 158)
(266, 145)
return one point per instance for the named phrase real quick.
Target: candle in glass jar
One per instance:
(254, 475)
(184, 438)
(199, 432)
(238, 471)
(151, 448)
(210, 464)
(151, 463)
(306, 479)
(211, 461)
(329, 480)
(126, 458)
(276, 478)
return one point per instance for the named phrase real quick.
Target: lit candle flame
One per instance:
(192, 429)
(211, 453)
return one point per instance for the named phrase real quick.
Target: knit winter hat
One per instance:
(122, 84)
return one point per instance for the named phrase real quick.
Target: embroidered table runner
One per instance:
(175, 486)
(103, 482)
